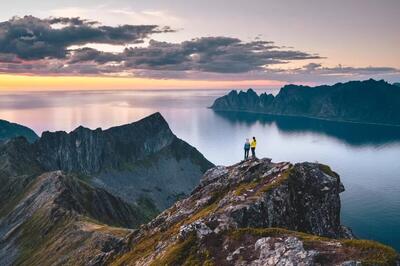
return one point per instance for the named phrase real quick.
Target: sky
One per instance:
(127, 44)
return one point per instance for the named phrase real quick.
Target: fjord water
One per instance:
(367, 157)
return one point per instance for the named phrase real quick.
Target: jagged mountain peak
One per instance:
(91, 151)
(369, 101)
(154, 121)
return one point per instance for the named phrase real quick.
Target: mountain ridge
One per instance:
(141, 161)
(369, 101)
(56, 214)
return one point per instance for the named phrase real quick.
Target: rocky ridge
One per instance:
(369, 101)
(59, 214)
(255, 213)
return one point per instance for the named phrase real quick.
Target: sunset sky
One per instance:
(125, 44)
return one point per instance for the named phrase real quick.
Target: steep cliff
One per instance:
(92, 151)
(370, 101)
(11, 130)
(139, 162)
(255, 213)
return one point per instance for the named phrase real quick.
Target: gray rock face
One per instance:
(92, 151)
(368, 101)
(258, 193)
(142, 160)
(282, 252)
(308, 202)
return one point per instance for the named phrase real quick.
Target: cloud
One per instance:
(33, 38)
(208, 54)
(314, 68)
(60, 46)
(8, 58)
(112, 15)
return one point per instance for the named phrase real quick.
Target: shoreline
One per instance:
(303, 116)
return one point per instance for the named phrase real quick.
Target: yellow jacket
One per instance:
(253, 144)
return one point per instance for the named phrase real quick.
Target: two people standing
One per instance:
(250, 145)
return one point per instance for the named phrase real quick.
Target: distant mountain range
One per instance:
(370, 101)
(11, 130)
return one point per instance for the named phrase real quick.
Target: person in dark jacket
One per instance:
(246, 149)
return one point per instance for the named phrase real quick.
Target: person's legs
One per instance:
(253, 152)
(246, 153)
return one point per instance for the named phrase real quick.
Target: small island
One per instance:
(369, 102)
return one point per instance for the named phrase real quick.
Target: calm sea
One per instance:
(366, 157)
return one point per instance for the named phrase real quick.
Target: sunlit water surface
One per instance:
(366, 157)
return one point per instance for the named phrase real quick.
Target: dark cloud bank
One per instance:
(43, 46)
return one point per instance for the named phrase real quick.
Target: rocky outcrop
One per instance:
(11, 130)
(255, 213)
(370, 101)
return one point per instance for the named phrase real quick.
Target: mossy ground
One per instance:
(147, 245)
(372, 253)
(37, 237)
(366, 251)
(327, 170)
(259, 186)
(185, 253)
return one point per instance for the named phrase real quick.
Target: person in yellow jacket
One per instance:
(253, 145)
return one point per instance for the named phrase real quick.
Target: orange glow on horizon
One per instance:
(45, 83)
